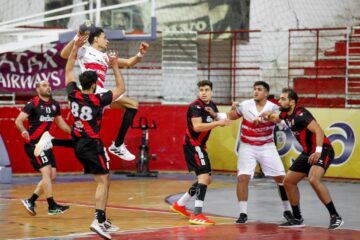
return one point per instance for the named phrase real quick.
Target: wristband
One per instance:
(220, 116)
(318, 149)
(139, 55)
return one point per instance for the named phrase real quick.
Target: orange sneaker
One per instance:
(180, 210)
(200, 219)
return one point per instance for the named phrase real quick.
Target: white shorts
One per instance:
(266, 155)
(102, 90)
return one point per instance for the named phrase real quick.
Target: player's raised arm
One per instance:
(69, 73)
(130, 62)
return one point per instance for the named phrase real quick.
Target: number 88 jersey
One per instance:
(87, 110)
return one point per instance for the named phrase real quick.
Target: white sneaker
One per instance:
(110, 227)
(43, 144)
(121, 152)
(100, 229)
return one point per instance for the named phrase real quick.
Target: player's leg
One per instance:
(180, 205)
(118, 147)
(101, 193)
(315, 178)
(298, 170)
(246, 165)
(272, 165)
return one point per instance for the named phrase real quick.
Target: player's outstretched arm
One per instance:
(199, 126)
(62, 124)
(69, 73)
(130, 62)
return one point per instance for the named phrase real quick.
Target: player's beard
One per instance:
(285, 109)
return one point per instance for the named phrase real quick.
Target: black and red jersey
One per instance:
(298, 122)
(197, 109)
(87, 110)
(41, 115)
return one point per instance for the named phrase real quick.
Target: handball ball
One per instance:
(86, 26)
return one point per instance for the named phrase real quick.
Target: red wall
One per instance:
(165, 141)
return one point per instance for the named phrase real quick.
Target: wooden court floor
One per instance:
(139, 207)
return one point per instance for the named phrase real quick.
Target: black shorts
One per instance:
(197, 159)
(301, 163)
(46, 158)
(91, 154)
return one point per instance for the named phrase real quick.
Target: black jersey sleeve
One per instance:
(105, 98)
(58, 111)
(195, 110)
(303, 118)
(29, 107)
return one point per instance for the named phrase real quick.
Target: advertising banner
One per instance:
(340, 125)
(20, 71)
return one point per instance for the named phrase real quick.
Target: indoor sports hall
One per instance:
(166, 63)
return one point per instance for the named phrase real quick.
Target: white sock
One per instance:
(286, 205)
(199, 203)
(184, 199)
(243, 206)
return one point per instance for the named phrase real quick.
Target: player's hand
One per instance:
(314, 157)
(234, 105)
(80, 41)
(113, 57)
(25, 135)
(258, 120)
(224, 122)
(143, 48)
(211, 112)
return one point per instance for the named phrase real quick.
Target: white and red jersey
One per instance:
(91, 59)
(255, 134)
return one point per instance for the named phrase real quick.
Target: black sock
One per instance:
(126, 122)
(296, 211)
(51, 202)
(192, 189)
(331, 208)
(63, 142)
(33, 197)
(282, 193)
(100, 215)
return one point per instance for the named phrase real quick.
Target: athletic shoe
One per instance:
(58, 209)
(43, 144)
(29, 206)
(335, 222)
(293, 223)
(288, 215)
(200, 219)
(242, 218)
(180, 209)
(121, 152)
(110, 227)
(100, 229)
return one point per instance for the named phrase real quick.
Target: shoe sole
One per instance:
(31, 213)
(200, 223)
(342, 223)
(62, 212)
(241, 222)
(293, 226)
(98, 233)
(178, 212)
(37, 149)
